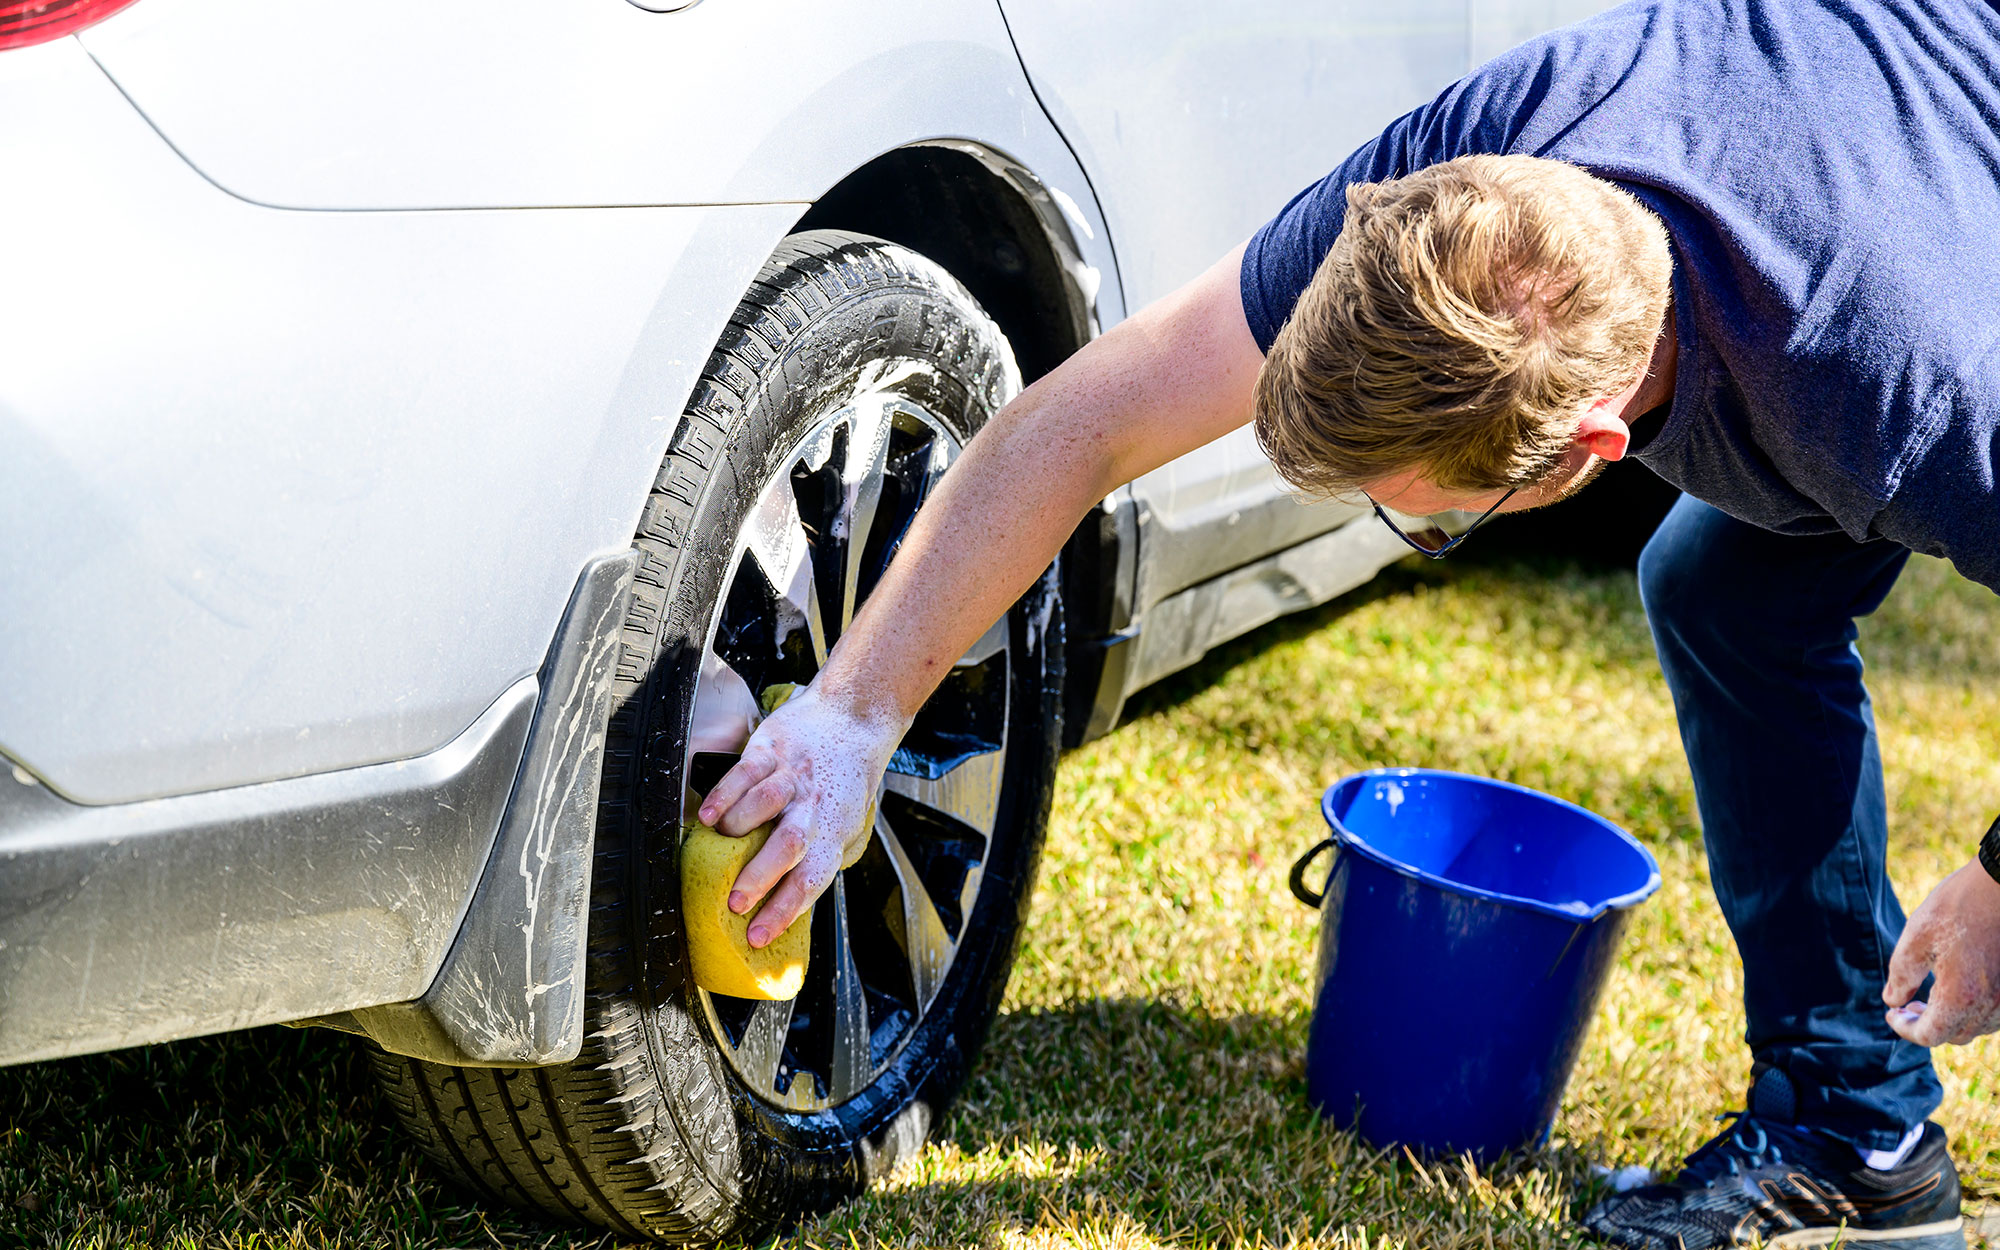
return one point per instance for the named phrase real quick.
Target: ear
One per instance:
(1602, 435)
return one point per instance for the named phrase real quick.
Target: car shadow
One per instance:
(268, 1136)
(1178, 687)
(1107, 1118)
(1598, 530)
(1140, 1122)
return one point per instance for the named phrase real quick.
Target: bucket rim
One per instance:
(1350, 840)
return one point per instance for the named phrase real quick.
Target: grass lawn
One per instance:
(1143, 1086)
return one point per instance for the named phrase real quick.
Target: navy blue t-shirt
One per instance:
(1829, 175)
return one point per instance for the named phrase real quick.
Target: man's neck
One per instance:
(1658, 388)
(1649, 403)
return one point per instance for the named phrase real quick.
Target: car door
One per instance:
(1197, 121)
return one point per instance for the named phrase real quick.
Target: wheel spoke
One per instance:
(776, 537)
(817, 538)
(763, 1045)
(815, 622)
(852, 1060)
(725, 709)
(969, 793)
(925, 941)
(861, 478)
(943, 453)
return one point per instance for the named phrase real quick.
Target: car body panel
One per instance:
(143, 922)
(1196, 123)
(329, 496)
(512, 103)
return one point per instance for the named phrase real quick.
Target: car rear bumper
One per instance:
(142, 922)
(456, 883)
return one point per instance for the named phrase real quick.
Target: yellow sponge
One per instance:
(718, 942)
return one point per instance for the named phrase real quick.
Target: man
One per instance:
(1750, 243)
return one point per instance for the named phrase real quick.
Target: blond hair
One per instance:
(1460, 324)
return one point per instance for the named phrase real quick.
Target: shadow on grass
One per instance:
(1213, 668)
(1133, 1121)
(1102, 1118)
(267, 1136)
(1598, 531)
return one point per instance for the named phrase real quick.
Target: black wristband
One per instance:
(1989, 850)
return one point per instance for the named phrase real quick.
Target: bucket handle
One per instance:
(1300, 890)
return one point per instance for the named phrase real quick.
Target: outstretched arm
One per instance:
(1175, 376)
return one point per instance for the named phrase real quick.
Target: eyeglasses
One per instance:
(1431, 540)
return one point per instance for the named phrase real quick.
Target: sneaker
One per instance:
(1762, 1183)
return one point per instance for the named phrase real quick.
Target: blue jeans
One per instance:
(1755, 632)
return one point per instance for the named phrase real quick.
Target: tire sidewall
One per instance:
(925, 339)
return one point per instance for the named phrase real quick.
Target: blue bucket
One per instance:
(1467, 929)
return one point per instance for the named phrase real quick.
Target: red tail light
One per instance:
(23, 22)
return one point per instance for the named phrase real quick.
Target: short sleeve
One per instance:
(1286, 251)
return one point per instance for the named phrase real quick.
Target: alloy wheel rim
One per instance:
(888, 930)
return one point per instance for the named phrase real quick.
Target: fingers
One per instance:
(757, 764)
(1955, 1014)
(792, 897)
(1935, 1023)
(780, 853)
(1910, 1017)
(1908, 1022)
(760, 804)
(797, 863)
(1911, 963)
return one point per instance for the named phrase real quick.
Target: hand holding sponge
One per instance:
(718, 939)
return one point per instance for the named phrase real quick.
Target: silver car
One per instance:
(429, 435)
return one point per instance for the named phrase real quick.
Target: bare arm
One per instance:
(1175, 376)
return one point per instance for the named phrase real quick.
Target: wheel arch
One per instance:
(993, 224)
(1007, 235)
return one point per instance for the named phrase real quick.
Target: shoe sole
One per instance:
(1943, 1235)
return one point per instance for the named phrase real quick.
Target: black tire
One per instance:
(652, 1131)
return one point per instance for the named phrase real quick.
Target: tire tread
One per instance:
(599, 1139)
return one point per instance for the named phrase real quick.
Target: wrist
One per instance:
(1989, 851)
(873, 711)
(863, 693)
